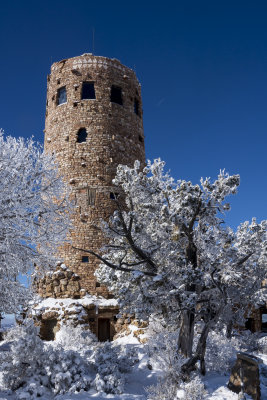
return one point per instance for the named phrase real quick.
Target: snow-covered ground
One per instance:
(142, 376)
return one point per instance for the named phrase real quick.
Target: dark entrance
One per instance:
(103, 329)
(48, 329)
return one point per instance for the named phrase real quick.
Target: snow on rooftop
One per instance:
(86, 301)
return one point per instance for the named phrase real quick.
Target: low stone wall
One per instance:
(62, 283)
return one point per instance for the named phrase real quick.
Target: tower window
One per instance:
(141, 139)
(116, 95)
(81, 135)
(136, 107)
(91, 195)
(61, 95)
(88, 90)
(85, 259)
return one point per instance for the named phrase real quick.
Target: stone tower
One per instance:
(93, 123)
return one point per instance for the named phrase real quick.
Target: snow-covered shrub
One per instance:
(25, 357)
(35, 369)
(164, 390)
(164, 355)
(193, 390)
(32, 368)
(108, 378)
(220, 351)
(248, 341)
(75, 338)
(66, 370)
(127, 357)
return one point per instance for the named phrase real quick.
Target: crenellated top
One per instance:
(88, 59)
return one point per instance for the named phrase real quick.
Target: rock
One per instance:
(50, 315)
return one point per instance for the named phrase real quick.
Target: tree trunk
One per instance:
(186, 335)
(199, 355)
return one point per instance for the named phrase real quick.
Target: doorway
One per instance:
(103, 329)
(48, 329)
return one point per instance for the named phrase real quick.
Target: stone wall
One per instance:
(62, 283)
(114, 136)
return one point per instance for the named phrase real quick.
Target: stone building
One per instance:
(93, 124)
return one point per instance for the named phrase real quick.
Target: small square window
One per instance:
(85, 259)
(116, 95)
(97, 284)
(62, 95)
(88, 90)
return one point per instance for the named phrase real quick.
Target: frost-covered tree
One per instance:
(33, 215)
(170, 253)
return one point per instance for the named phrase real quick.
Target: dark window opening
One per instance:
(141, 139)
(103, 329)
(58, 81)
(88, 90)
(75, 104)
(249, 324)
(97, 284)
(116, 95)
(62, 95)
(82, 135)
(85, 259)
(136, 107)
(113, 196)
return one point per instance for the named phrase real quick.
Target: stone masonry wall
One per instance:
(61, 283)
(114, 136)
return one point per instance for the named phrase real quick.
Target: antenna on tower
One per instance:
(93, 40)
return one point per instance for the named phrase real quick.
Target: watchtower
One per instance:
(93, 123)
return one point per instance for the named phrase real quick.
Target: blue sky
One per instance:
(202, 66)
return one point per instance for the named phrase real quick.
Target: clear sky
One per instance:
(202, 66)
